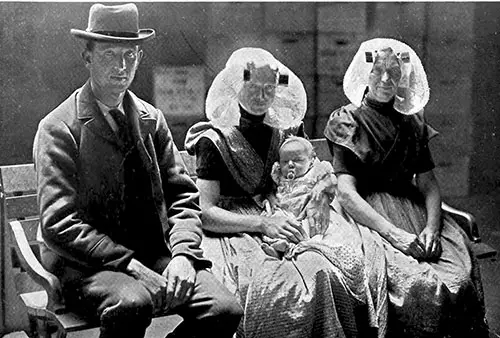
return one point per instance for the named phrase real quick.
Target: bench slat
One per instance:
(321, 148)
(30, 227)
(18, 179)
(21, 207)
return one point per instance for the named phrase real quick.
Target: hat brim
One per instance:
(144, 34)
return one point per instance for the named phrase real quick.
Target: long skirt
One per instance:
(321, 292)
(443, 298)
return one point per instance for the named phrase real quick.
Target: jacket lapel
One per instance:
(88, 110)
(143, 124)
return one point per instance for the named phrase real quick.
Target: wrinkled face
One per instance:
(257, 94)
(384, 77)
(112, 66)
(295, 160)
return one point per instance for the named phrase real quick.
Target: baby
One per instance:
(305, 189)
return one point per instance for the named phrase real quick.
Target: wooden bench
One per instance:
(40, 294)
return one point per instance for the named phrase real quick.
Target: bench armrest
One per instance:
(36, 271)
(466, 220)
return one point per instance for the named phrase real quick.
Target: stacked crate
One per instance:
(450, 64)
(341, 28)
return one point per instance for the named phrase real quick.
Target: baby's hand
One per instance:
(317, 192)
(325, 186)
(316, 216)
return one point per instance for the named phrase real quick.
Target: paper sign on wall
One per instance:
(179, 91)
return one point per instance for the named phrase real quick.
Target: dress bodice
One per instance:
(382, 148)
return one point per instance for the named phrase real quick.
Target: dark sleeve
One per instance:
(342, 129)
(209, 162)
(424, 161)
(55, 155)
(182, 198)
(344, 160)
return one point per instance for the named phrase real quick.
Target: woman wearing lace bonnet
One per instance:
(387, 186)
(252, 105)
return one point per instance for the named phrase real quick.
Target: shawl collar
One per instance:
(246, 167)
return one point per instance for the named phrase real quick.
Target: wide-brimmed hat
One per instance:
(119, 23)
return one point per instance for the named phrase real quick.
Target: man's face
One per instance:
(112, 66)
(257, 94)
(294, 160)
(384, 77)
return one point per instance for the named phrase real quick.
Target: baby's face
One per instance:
(294, 160)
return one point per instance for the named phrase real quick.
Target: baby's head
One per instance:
(296, 157)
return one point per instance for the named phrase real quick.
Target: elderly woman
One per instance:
(252, 105)
(386, 184)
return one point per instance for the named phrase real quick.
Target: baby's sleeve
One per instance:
(326, 177)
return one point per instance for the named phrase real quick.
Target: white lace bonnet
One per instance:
(290, 103)
(413, 91)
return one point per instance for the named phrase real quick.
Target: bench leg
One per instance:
(33, 330)
(41, 328)
(60, 334)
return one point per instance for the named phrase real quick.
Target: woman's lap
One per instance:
(424, 295)
(306, 296)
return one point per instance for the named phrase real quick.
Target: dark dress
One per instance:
(304, 297)
(383, 150)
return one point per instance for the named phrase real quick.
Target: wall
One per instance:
(42, 65)
(484, 165)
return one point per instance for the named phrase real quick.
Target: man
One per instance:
(119, 214)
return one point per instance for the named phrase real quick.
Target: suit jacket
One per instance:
(80, 163)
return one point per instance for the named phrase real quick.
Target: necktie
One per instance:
(122, 123)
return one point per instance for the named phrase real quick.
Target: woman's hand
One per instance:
(431, 238)
(407, 243)
(283, 227)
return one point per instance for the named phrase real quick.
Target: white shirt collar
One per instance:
(105, 109)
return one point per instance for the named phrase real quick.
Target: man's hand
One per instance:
(180, 275)
(154, 282)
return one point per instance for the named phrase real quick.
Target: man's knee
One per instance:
(129, 302)
(224, 304)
